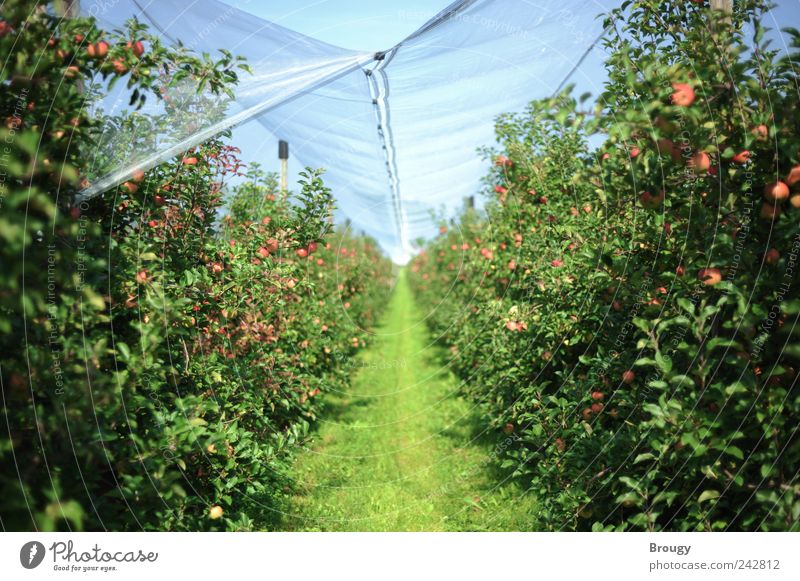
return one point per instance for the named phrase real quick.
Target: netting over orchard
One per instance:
(397, 130)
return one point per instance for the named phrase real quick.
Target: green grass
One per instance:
(399, 451)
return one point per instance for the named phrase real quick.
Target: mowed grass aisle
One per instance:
(401, 451)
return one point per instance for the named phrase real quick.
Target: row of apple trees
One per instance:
(628, 312)
(163, 346)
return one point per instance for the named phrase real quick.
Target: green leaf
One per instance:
(708, 495)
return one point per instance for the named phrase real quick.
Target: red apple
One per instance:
(189, 161)
(598, 395)
(742, 157)
(683, 94)
(263, 252)
(302, 252)
(700, 162)
(769, 212)
(794, 176)
(628, 376)
(136, 47)
(119, 66)
(776, 192)
(649, 201)
(557, 263)
(772, 256)
(709, 276)
(597, 407)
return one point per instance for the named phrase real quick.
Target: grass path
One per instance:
(397, 452)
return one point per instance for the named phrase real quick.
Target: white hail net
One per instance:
(398, 135)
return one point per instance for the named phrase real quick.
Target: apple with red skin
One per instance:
(776, 192)
(508, 428)
(683, 94)
(301, 252)
(500, 190)
(598, 395)
(263, 252)
(587, 413)
(141, 277)
(136, 47)
(561, 445)
(556, 263)
(741, 158)
(680, 270)
(700, 162)
(649, 201)
(131, 187)
(793, 176)
(542, 200)
(119, 66)
(503, 161)
(709, 276)
(628, 376)
(189, 161)
(312, 247)
(761, 132)
(769, 212)
(102, 49)
(772, 256)
(597, 407)
(668, 147)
